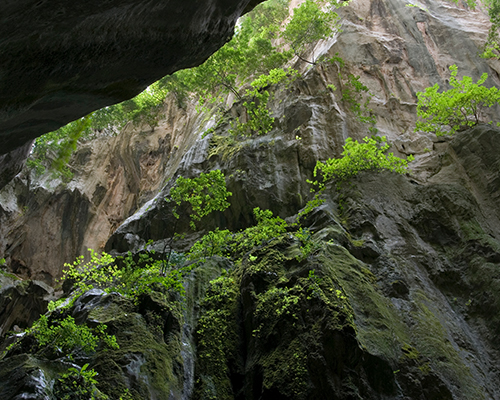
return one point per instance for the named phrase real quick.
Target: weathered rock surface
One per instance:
(62, 60)
(403, 301)
(22, 302)
(46, 223)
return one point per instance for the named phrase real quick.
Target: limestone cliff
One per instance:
(62, 60)
(399, 297)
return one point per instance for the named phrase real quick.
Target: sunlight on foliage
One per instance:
(78, 384)
(67, 336)
(455, 109)
(205, 193)
(356, 157)
(309, 24)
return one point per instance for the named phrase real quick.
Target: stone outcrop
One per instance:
(398, 297)
(62, 60)
(44, 219)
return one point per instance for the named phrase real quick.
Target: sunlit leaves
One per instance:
(309, 24)
(205, 193)
(367, 156)
(451, 110)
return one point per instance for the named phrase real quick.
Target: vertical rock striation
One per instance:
(399, 298)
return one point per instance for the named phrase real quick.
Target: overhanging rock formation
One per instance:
(63, 59)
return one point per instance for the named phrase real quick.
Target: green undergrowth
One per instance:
(290, 302)
(381, 331)
(217, 339)
(149, 335)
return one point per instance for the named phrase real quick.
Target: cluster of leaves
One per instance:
(205, 194)
(259, 118)
(356, 157)
(262, 42)
(67, 337)
(455, 109)
(54, 149)
(491, 48)
(78, 384)
(355, 95)
(147, 275)
(228, 244)
(216, 330)
(492, 45)
(134, 279)
(309, 24)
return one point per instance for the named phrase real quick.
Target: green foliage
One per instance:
(78, 385)
(250, 53)
(267, 228)
(259, 119)
(307, 244)
(308, 25)
(68, 337)
(282, 301)
(353, 92)
(132, 281)
(54, 149)
(227, 244)
(212, 244)
(100, 272)
(357, 157)
(2, 262)
(355, 95)
(205, 194)
(492, 45)
(491, 48)
(310, 205)
(146, 275)
(215, 335)
(455, 109)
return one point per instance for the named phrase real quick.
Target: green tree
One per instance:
(205, 194)
(199, 197)
(356, 157)
(458, 108)
(309, 24)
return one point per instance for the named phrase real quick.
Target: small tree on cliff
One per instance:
(455, 109)
(199, 197)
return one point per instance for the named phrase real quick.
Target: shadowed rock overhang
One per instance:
(63, 59)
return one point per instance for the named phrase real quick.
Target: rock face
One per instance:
(44, 219)
(398, 297)
(62, 60)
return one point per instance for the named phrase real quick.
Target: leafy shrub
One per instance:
(99, 272)
(356, 157)
(135, 279)
(146, 275)
(68, 337)
(267, 228)
(455, 109)
(205, 193)
(213, 243)
(78, 385)
(227, 244)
